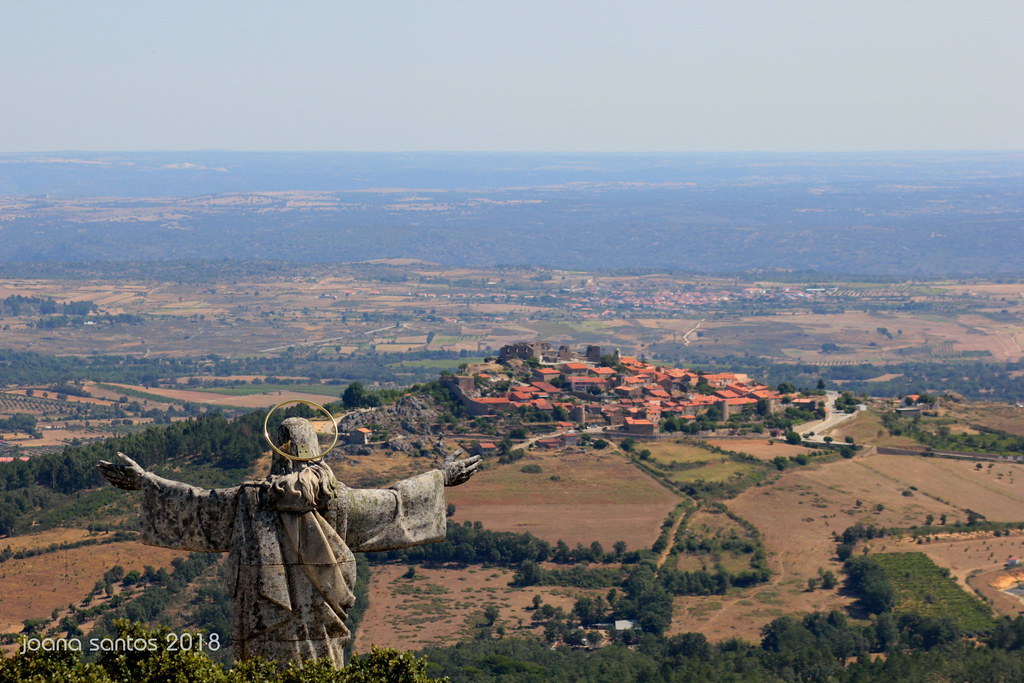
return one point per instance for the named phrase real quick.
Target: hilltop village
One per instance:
(624, 395)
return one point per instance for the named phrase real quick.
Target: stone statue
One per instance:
(290, 539)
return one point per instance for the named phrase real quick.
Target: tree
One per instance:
(356, 396)
(868, 580)
(528, 574)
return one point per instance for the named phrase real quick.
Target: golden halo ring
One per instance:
(266, 432)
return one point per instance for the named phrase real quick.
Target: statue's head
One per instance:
(296, 438)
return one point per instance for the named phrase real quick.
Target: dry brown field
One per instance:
(797, 516)
(598, 496)
(993, 492)
(35, 586)
(442, 606)
(382, 469)
(866, 428)
(245, 378)
(884, 378)
(43, 539)
(759, 448)
(799, 512)
(1001, 416)
(58, 437)
(41, 393)
(212, 398)
(742, 613)
(667, 452)
(856, 332)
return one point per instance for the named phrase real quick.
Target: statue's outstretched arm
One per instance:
(122, 476)
(459, 471)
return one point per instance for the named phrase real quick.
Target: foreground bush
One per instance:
(158, 664)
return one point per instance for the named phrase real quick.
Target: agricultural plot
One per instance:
(923, 587)
(762, 449)
(684, 463)
(711, 540)
(999, 416)
(381, 469)
(332, 391)
(440, 364)
(975, 560)
(34, 586)
(866, 427)
(442, 606)
(997, 492)
(576, 497)
(261, 400)
(716, 471)
(668, 453)
(797, 515)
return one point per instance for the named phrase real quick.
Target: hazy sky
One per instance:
(550, 75)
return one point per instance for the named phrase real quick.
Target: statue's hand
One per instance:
(459, 471)
(122, 476)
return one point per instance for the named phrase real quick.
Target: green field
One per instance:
(668, 452)
(446, 339)
(711, 472)
(333, 390)
(924, 587)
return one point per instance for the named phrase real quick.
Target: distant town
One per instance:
(623, 395)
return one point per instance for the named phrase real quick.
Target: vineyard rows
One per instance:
(924, 587)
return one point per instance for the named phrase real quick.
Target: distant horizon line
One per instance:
(509, 152)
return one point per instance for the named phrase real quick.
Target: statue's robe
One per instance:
(291, 539)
